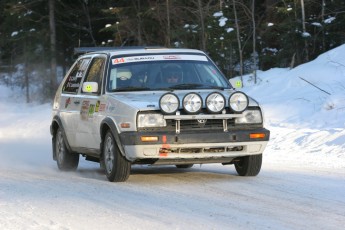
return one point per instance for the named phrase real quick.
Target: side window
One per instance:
(95, 72)
(74, 78)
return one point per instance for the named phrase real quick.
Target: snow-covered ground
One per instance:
(301, 184)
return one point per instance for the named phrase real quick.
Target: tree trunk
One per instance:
(52, 27)
(87, 14)
(26, 69)
(140, 40)
(254, 41)
(167, 43)
(201, 14)
(323, 30)
(304, 31)
(238, 41)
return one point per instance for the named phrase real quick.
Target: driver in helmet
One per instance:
(172, 74)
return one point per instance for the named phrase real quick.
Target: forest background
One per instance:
(38, 37)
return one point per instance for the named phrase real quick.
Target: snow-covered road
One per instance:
(35, 195)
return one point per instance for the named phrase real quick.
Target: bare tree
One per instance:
(26, 70)
(304, 31)
(167, 43)
(255, 55)
(202, 22)
(238, 40)
(87, 15)
(52, 29)
(139, 36)
(138, 9)
(323, 19)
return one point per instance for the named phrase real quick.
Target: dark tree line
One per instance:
(37, 37)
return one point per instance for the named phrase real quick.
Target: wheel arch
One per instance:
(56, 123)
(108, 124)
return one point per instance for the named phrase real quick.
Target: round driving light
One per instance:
(215, 102)
(192, 103)
(238, 102)
(169, 103)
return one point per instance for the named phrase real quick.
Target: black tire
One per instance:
(249, 165)
(186, 166)
(116, 167)
(66, 161)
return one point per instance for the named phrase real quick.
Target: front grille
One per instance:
(189, 125)
(194, 125)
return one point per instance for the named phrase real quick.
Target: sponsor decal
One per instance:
(79, 74)
(84, 112)
(171, 57)
(102, 107)
(67, 102)
(118, 61)
(159, 58)
(91, 110)
(73, 85)
(97, 106)
(143, 58)
(72, 79)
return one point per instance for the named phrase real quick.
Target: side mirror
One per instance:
(90, 87)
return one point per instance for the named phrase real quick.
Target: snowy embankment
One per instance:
(301, 185)
(305, 110)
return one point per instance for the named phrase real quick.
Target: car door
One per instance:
(92, 106)
(69, 100)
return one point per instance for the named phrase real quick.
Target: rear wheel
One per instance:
(66, 160)
(186, 166)
(117, 168)
(249, 165)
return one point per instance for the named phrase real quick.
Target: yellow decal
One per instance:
(97, 106)
(89, 88)
(239, 84)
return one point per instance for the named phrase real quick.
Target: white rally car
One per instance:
(154, 106)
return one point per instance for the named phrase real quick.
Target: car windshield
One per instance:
(164, 72)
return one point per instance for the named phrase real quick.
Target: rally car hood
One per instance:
(150, 100)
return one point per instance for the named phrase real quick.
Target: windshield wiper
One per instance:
(196, 86)
(186, 86)
(215, 87)
(130, 88)
(164, 88)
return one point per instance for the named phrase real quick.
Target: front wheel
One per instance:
(66, 160)
(249, 165)
(117, 168)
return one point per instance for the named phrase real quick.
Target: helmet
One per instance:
(172, 73)
(123, 74)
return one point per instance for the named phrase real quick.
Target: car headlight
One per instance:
(151, 120)
(192, 103)
(169, 103)
(238, 102)
(215, 102)
(250, 117)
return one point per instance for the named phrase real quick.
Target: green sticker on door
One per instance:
(238, 84)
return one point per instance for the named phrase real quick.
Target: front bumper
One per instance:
(201, 147)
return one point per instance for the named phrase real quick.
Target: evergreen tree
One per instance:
(271, 33)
